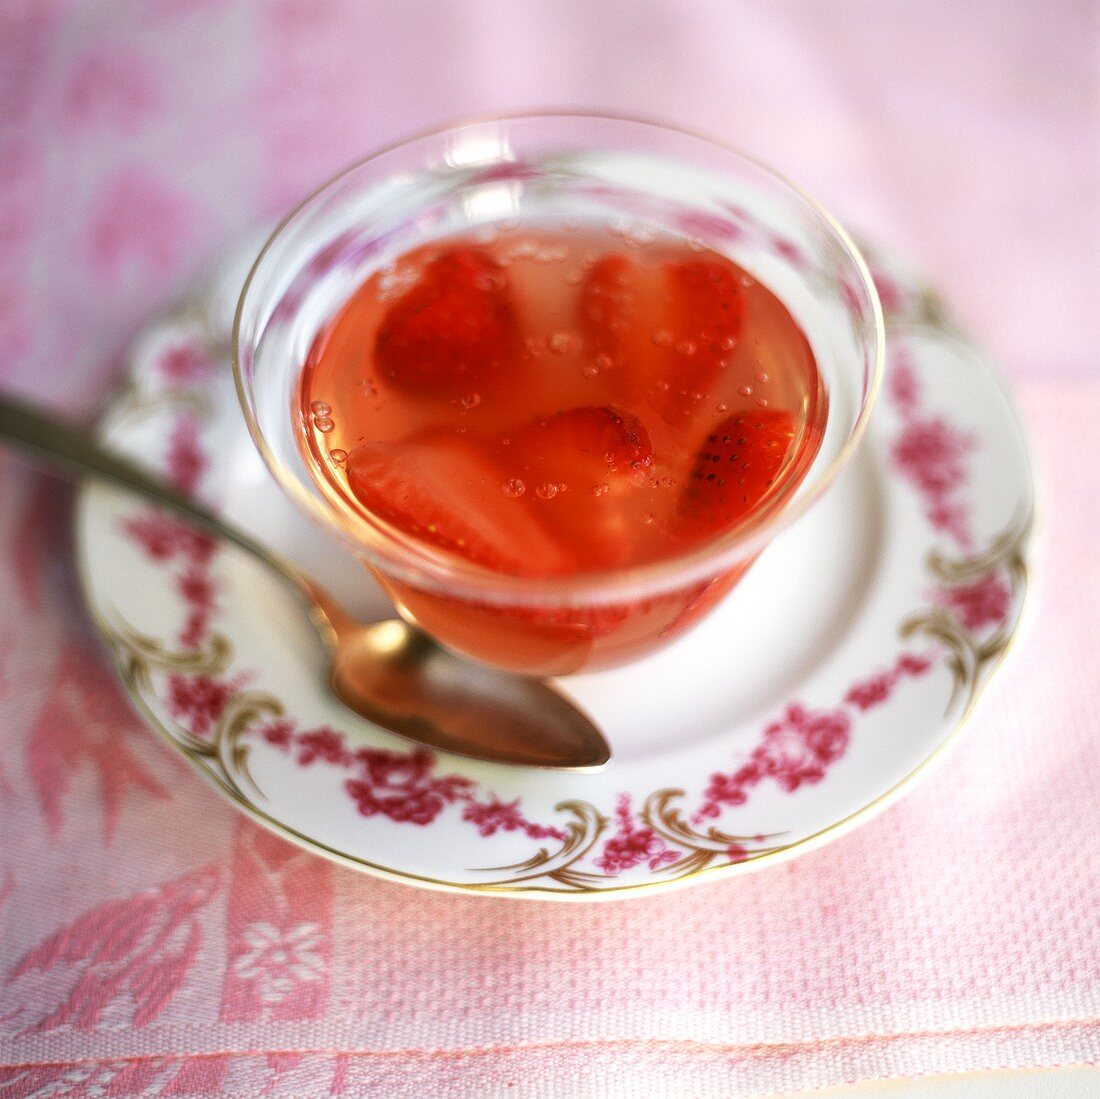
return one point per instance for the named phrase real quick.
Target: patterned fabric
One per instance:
(152, 943)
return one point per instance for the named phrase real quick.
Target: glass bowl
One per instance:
(550, 167)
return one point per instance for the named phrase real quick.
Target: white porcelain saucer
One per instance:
(841, 666)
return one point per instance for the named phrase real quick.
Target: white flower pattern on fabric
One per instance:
(278, 961)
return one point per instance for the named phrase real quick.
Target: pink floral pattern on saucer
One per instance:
(291, 758)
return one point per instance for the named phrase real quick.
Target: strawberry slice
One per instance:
(671, 325)
(440, 489)
(708, 304)
(705, 308)
(590, 442)
(608, 307)
(577, 465)
(737, 468)
(454, 329)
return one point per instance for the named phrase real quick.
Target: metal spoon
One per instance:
(389, 672)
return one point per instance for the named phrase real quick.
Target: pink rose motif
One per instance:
(871, 692)
(165, 538)
(876, 690)
(198, 701)
(184, 363)
(827, 735)
(984, 602)
(803, 744)
(723, 790)
(186, 461)
(412, 805)
(797, 749)
(396, 769)
(631, 844)
(950, 518)
(398, 785)
(902, 384)
(280, 733)
(622, 852)
(402, 786)
(930, 454)
(197, 588)
(784, 755)
(913, 664)
(161, 536)
(494, 815)
(325, 744)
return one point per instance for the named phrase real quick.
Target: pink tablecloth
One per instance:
(153, 943)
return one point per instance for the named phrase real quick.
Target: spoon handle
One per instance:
(76, 449)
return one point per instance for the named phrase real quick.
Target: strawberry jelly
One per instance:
(552, 402)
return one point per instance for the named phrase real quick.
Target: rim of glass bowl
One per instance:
(394, 554)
